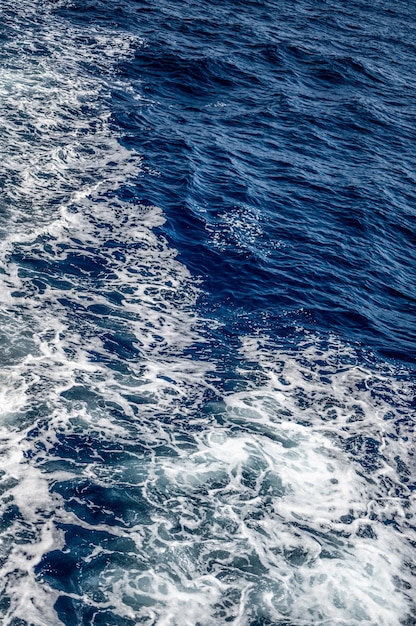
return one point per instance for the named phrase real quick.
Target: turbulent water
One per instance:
(208, 306)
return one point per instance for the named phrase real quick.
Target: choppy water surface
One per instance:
(207, 304)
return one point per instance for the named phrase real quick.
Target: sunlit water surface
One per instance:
(207, 305)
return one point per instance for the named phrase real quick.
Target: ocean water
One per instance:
(208, 306)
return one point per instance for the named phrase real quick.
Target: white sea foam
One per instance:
(273, 514)
(62, 166)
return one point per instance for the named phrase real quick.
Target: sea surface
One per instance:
(207, 312)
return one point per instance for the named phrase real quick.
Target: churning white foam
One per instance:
(96, 310)
(278, 516)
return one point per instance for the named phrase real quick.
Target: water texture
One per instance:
(207, 305)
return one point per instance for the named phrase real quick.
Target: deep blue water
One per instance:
(207, 306)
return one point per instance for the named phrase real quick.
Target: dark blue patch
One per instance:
(297, 115)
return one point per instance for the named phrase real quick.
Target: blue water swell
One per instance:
(208, 313)
(300, 119)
